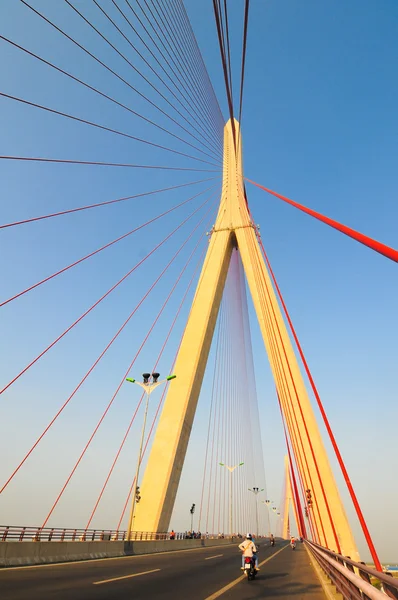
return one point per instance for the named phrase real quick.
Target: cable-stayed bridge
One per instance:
(131, 248)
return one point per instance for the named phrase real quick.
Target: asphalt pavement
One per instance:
(200, 574)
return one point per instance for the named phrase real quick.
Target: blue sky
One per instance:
(319, 125)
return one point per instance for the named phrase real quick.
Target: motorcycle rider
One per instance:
(272, 539)
(249, 549)
(292, 543)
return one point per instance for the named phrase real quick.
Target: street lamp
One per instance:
(256, 491)
(149, 384)
(231, 470)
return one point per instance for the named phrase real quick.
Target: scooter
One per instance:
(250, 568)
(293, 545)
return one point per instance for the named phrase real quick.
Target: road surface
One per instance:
(200, 574)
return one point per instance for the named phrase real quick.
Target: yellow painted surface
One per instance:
(288, 502)
(233, 227)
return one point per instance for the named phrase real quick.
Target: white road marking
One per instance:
(216, 556)
(124, 577)
(239, 579)
(97, 560)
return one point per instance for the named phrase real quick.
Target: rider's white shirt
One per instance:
(247, 548)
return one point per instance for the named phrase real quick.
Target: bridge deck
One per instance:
(203, 574)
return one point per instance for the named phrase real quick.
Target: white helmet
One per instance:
(248, 536)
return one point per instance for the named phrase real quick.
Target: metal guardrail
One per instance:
(352, 579)
(10, 533)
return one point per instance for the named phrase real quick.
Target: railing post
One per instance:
(4, 537)
(390, 591)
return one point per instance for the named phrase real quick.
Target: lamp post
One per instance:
(268, 505)
(231, 470)
(192, 512)
(256, 491)
(149, 384)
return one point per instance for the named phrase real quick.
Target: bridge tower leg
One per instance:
(288, 502)
(234, 229)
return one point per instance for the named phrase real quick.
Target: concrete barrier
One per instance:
(13, 554)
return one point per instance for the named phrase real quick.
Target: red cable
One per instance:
(217, 474)
(208, 142)
(150, 21)
(89, 206)
(125, 235)
(216, 411)
(157, 411)
(102, 94)
(299, 510)
(91, 368)
(295, 490)
(361, 518)
(181, 57)
(359, 237)
(180, 33)
(156, 89)
(135, 357)
(102, 164)
(203, 70)
(106, 66)
(114, 462)
(283, 384)
(241, 390)
(307, 433)
(165, 389)
(273, 347)
(203, 132)
(208, 430)
(103, 127)
(136, 32)
(295, 432)
(87, 311)
(300, 468)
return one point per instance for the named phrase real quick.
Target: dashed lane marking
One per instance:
(239, 579)
(124, 577)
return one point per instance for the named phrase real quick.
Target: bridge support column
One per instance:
(288, 502)
(234, 228)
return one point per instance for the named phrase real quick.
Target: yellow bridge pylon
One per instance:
(235, 231)
(289, 502)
